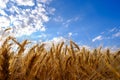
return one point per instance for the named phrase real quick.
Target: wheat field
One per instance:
(61, 62)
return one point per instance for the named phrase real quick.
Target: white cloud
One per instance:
(97, 38)
(4, 21)
(86, 47)
(69, 34)
(69, 21)
(51, 10)
(24, 21)
(45, 1)
(58, 19)
(25, 2)
(43, 29)
(3, 3)
(42, 36)
(76, 18)
(55, 40)
(113, 29)
(2, 12)
(117, 34)
(109, 34)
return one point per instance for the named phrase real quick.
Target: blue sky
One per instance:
(88, 22)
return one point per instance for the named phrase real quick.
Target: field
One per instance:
(61, 62)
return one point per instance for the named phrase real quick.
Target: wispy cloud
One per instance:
(116, 34)
(109, 34)
(58, 19)
(113, 29)
(65, 22)
(76, 18)
(69, 21)
(98, 38)
(25, 17)
(51, 10)
(42, 36)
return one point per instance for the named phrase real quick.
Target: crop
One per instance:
(60, 62)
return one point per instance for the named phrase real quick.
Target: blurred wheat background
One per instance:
(61, 62)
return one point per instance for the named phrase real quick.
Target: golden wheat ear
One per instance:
(4, 59)
(61, 62)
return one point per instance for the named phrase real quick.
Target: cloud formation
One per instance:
(24, 16)
(117, 34)
(97, 38)
(110, 34)
(55, 40)
(58, 19)
(69, 21)
(25, 2)
(70, 34)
